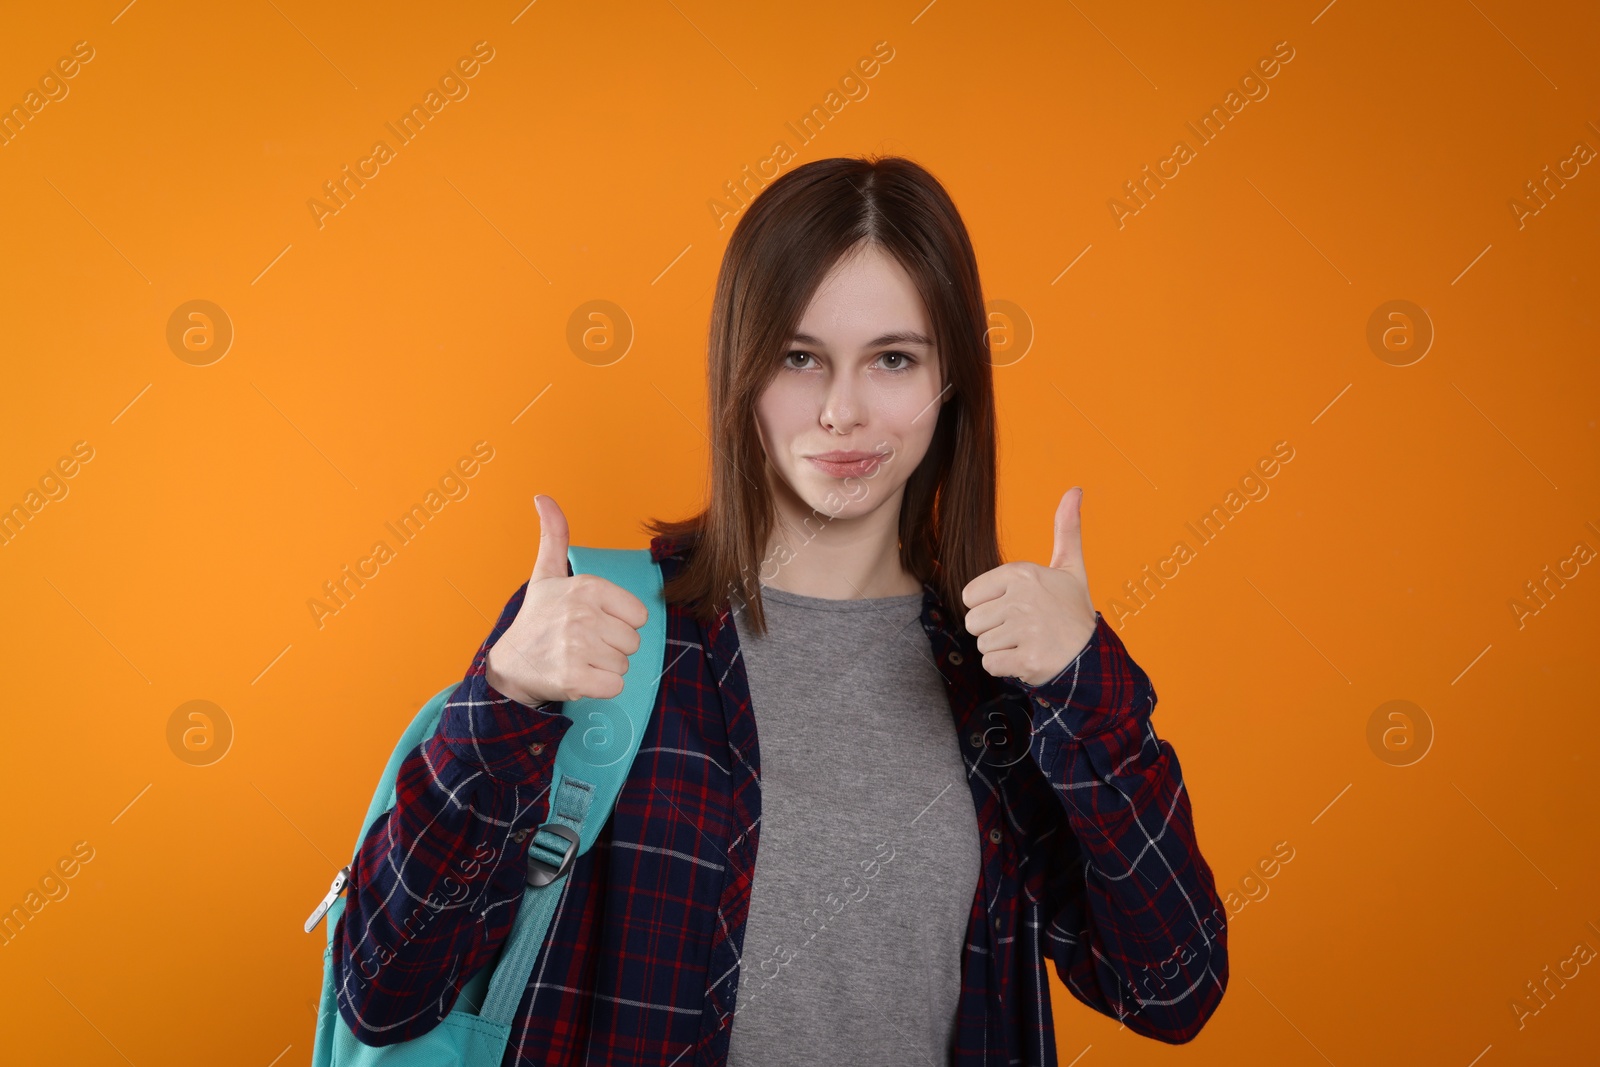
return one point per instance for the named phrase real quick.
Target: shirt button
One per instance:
(956, 658)
(997, 922)
(536, 748)
(934, 615)
(1043, 703)
(976, 740)
(994, 835)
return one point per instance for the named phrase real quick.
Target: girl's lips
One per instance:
(856, 468)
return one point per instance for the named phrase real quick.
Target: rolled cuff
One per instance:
(509, 741)
(1101, 692)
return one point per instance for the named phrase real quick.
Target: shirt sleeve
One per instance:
(1134, 923)
(436, 884)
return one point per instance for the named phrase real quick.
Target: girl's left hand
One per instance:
(1032, 621)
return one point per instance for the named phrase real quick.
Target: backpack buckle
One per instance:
(541, 873)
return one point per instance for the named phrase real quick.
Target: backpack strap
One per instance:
(592, 763)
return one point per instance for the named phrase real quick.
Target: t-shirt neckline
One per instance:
(817, 603)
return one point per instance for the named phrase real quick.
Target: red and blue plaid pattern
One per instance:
(1090, 863)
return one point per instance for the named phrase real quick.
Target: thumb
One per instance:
(1068, 550)
(552, 558)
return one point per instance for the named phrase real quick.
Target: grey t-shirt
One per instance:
(868, 855)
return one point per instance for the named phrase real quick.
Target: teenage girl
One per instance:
(889, 782)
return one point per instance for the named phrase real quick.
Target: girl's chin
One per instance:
(816, 493)
(825, 496)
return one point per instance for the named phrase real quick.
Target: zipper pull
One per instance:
(340, 880)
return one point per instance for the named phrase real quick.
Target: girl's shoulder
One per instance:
(672, 553)
(676, 549)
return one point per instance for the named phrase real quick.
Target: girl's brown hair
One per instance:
(788, 239)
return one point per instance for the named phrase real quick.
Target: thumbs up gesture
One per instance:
(1032, 621)
(573, 634)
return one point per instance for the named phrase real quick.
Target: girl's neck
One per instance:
(814, 554)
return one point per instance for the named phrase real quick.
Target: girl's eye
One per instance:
(792, 355)
(906, 361)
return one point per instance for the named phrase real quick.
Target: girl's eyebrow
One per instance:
(899, 337)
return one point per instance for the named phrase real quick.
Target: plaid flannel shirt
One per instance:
(1090, 863)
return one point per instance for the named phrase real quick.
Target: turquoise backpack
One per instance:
(591, 765)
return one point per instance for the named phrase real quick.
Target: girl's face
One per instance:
(852, 409)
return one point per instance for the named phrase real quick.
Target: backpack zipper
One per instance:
(340, 880)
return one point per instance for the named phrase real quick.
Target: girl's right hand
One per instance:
(573, 634)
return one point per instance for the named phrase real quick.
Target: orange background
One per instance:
(1227, 315)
